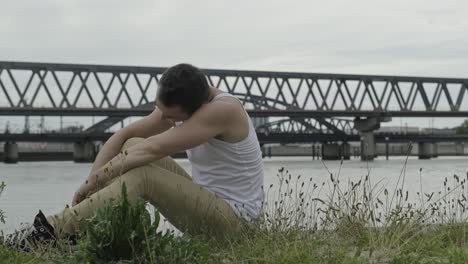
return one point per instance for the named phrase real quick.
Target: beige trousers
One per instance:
(164, 184)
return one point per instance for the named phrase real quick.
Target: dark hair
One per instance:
(183, 85)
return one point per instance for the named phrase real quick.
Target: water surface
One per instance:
(49, 186)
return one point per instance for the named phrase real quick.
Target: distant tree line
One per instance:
(463, 128)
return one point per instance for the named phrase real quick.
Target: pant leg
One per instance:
(203, 208)
(167, 162)
(163, 183)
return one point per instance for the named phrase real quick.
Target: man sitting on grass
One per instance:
(225, 189)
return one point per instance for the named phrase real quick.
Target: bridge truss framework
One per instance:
(307, 101)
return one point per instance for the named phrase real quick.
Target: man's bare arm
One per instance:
(207, 123)
(148, 126)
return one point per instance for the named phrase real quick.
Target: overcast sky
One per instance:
(398, 37)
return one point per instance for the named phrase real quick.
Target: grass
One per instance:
(304, 222)
(2, 214)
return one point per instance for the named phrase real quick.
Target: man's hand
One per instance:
(93, 183)
(77, 197)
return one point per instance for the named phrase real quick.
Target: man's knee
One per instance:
(135, 179)
(163, 162)
(131, 142)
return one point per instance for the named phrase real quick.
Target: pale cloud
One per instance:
(223, 34)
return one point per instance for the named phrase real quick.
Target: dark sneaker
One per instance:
(30, 236)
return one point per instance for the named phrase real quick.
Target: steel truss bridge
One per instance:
(298, 104)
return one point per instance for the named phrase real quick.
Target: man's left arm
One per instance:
(209, 121)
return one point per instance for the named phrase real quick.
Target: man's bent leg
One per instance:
(186, 205)
(167, 162)
(72, 220)
(166, 185)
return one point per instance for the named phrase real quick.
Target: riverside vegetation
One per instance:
(303, 222)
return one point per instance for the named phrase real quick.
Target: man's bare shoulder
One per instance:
(219, 111)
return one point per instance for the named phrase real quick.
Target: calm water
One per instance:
(50, 185)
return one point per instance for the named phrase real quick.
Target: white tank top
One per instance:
(233, 171)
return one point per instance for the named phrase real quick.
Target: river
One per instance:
(48, 186)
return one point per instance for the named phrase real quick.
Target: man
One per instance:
(225, 189)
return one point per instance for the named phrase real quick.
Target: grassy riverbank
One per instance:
(305, 222)
(445, 244)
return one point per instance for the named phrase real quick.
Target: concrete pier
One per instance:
(84, 152)
(11, 154)
(460, 148)
(366, 128)
(345, 151)
(331, 151)
(368, 148)
(335, 151)
(424, 150)
(435, 151)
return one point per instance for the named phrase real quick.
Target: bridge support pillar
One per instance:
(334, 151)
(459, 148)
(84, 152)
(366, 128)
(424, 150)
(330, 151)
(368, 148)
(434, 150)
(10, 150)
(345, 151)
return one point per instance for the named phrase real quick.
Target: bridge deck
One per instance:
(127, 112)
(263, 138)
